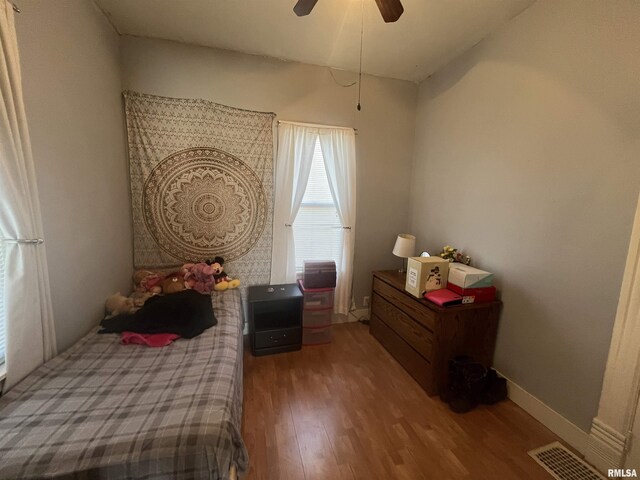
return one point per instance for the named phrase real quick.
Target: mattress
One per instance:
(111, 411)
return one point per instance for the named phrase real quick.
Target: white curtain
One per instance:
(293, 164)
(26, 297)
(339, 152)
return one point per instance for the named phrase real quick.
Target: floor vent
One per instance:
(563, 464)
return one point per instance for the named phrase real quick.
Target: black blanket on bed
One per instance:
(187, 313)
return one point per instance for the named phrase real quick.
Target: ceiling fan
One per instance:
(390, 9)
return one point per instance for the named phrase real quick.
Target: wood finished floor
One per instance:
(349, 411)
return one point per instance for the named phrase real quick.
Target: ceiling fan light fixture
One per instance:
(391, 10)
(304, 7)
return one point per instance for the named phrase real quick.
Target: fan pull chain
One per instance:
(359, 107)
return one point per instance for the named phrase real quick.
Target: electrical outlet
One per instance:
(365, 301)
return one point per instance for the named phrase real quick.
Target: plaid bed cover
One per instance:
(102, 410)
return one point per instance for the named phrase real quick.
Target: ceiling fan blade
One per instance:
(390, 9)
(304, 7)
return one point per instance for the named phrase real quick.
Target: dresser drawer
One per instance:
(410, 306)
(412, 332)
(275, 338)
(419, 368)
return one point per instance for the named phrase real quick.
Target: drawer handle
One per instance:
(277, 339)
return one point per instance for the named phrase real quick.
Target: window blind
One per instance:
(317, 229)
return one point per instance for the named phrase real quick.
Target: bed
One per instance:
(102, 410)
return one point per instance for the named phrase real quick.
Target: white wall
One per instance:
(527, 157)
(70, 66)
(309, 94)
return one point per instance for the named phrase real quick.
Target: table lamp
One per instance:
(405, 247)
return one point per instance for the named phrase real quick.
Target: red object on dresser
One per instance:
(443, 297)
(474, 295)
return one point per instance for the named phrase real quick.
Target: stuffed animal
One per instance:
(229, 283)
(139, 298)
(172, 283)
(117, 304)
(222, 280)
(147, 281)
(185, 269)
(216, 265)
(199, 276)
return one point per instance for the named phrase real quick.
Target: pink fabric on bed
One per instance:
(149, 339)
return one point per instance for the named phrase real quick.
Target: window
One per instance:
(308, 223)
(317, 230)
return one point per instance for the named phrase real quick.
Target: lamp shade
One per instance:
(405, 245)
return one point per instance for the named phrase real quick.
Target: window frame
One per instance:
(310, 205)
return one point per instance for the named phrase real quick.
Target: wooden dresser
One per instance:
(423, 337)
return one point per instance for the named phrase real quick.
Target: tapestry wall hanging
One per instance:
(201, 184)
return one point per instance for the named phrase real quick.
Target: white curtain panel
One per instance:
(293, 164)
(26, 296)
(339, 152)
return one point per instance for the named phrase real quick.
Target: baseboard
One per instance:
(606, 446)
(567, 431)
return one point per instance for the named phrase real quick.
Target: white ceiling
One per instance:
(429, 34)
